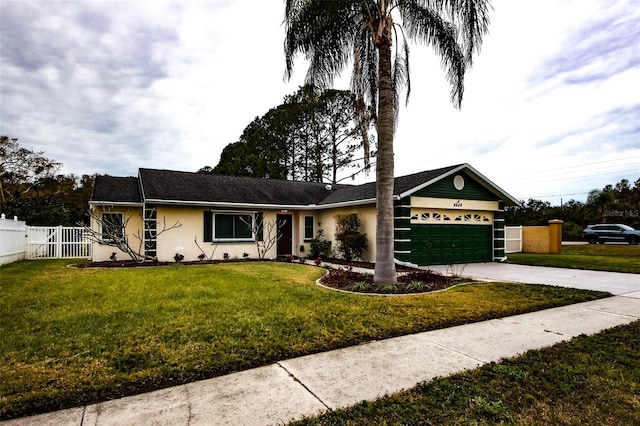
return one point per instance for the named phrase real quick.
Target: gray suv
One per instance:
(612, 232)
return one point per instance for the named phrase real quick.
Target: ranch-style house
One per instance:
(449, 215)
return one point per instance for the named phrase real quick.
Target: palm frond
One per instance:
(400, 72)
(364, 79)
(472, 19)
(427, 26)
(323, 31)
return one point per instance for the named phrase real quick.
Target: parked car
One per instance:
(611, 232)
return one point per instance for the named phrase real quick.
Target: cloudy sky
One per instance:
(551, 107)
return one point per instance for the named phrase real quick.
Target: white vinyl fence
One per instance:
(13, 235)
(513, 235)
(19, 241)
(57, 242)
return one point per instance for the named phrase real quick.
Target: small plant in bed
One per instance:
(415, 281)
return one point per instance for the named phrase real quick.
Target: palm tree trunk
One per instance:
(385, 269)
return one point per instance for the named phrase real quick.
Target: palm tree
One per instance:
(333, 34)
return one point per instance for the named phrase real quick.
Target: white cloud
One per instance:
(110, 86)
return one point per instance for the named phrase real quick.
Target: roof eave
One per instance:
(219, 204)
(115, 203)
(487, 183)
(484, 181)
(347, 204)
(432, 181)
(262, 206)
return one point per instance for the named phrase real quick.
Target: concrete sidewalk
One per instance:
(291, 389)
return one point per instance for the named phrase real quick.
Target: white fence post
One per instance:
(12, 239)
(513, 237)
(17, 241)
(18, 237)
(2, 237)
(57, 242)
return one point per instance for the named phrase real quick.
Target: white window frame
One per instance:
(233, 213)
(313, 227)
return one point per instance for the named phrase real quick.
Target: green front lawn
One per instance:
(75, 336)
(601, 257)
(591, 380)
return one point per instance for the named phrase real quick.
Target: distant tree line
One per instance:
(619, 203)
(32, 189)
(314, 136)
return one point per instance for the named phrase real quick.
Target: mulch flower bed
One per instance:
(132, 264)
(409, 282)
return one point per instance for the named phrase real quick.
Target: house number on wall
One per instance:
(457, 204)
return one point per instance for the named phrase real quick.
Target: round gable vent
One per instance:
(458, 182)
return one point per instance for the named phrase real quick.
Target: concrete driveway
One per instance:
(616, 283)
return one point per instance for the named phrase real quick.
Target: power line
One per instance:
(581, 176)
(573, 175)
(555, 195)
(583, 165)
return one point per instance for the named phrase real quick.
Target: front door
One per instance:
(285, 234)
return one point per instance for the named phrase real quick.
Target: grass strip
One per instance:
(590, 380)
(76, 336)
(599, 257)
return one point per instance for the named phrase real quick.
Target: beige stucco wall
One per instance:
(191, 219)
(368, 216)
(535, 239)
(192, 228)
(298, 232)
(543, 239)
(183, 239)
(102, 252)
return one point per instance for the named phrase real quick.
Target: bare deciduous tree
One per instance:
(270, 234)
(113, 233)
(204, 255)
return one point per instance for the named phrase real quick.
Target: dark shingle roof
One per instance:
(367, 191)
(175, 186)
(116, 189)
(197, 187)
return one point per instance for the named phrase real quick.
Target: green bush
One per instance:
(351, 242)
(572, 231)
(319, 246)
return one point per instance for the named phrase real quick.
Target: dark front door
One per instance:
(285, 234)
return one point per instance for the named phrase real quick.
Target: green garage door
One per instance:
(448, 244)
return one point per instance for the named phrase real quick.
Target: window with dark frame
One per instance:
(308, 227)
(112, 226)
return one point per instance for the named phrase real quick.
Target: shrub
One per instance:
(351, 242)
(417, 281)
(343, 278)
(424, 276)
(359, 286)
(319, 246)
(572, 231)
